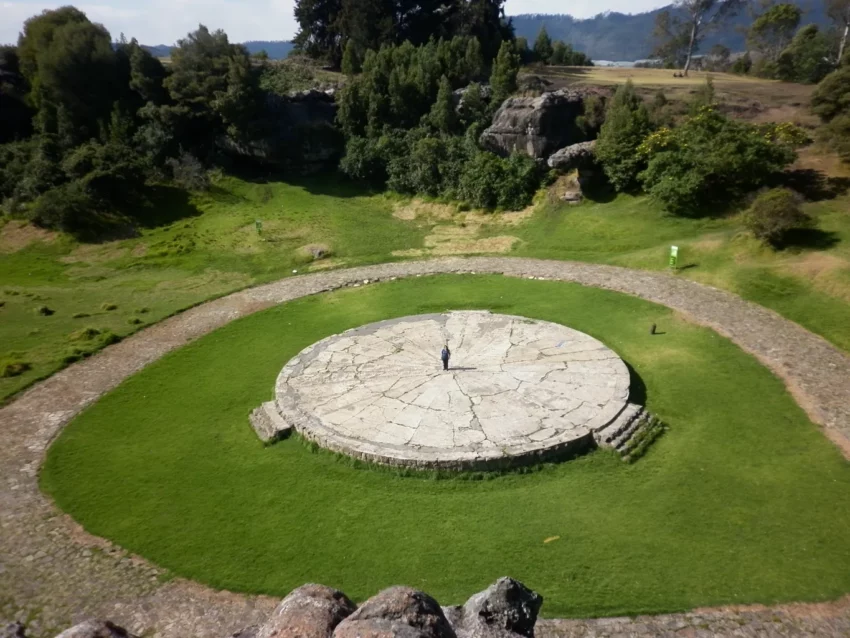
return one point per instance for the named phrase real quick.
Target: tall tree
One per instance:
(486, 21)
(503, 78)
(839, 12)
(319, 24)
(17, 116)
(772, 31)
(690, 22)
(808, 59)
(543, 47)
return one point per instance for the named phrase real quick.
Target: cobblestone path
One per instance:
(53, 574)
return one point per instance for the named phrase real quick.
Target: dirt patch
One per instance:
(15, 236)
(95, 253)
(507, 218)
(209, 280)
(708, 244)
(326, 264)
(419, 209)
(139, 250)
(828, 273)
(456, 240)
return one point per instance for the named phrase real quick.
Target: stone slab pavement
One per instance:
(53, 574)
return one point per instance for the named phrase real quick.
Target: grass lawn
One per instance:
(743, 500)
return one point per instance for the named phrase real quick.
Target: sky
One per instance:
(164, 21)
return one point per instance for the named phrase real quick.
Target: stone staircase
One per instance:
(268, 423)
(630, 433)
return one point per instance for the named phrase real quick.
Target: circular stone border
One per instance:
(582, 366)
(55, 571)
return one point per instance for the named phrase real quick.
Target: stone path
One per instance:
(52, 573)
(517, 390)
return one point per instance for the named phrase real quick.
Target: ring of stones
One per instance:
(517, 391)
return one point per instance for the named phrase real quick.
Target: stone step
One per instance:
(268, 423)
(619, 424)
(623, 439)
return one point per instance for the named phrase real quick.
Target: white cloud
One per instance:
(164, 21)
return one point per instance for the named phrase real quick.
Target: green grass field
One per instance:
(207, 245)
(742, 500)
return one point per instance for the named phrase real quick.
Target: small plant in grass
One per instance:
(80, 315)
(142, 311)
(109, 306)
(774, 214)
(44, 311)
(135, 321)
(86, 334)
(2, 303)
(13, 368)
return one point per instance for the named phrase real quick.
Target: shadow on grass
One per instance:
(164, 205)
(814, 185)
(814, 238)
(637, 388)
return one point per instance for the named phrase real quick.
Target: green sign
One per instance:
(674, 256)
(259, 226)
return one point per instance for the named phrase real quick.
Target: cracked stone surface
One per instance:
(516, 390)
(53, 574)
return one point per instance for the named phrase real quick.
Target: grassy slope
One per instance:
(742, 500)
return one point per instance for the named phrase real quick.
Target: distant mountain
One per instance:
(618, 36)
(277, 49)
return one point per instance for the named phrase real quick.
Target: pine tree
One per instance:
(626, 126)
(503, 78)
(350, 60)
(443, 116)
(543, 47)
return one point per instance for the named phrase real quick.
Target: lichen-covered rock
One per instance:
(311, 611)
(573, 156)
(96, 629)
(536, 126)
(397, 612)
(506, 609)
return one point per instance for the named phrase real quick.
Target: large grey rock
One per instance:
(536, 126)
(311, 611)
(506, 609)
(397, 612)
(573, 156)
(96, 629)
(296, 132)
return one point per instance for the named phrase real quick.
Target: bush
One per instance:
(626, 125)
(489, 181)
(13, 368)
(709, 160)
(70, 208)
(188, 172)
(773, 214)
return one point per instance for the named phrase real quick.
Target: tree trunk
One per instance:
(843, 44)
(690, 48)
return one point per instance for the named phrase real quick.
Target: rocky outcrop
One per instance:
(295, 132)
(537, 126)
(575, 156)
(311, 611)
(506, 609)
(397, 611)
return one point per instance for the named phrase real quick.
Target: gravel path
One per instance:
(52, 573)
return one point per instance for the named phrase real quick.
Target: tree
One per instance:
(626, 125)
(503, 78)
(350, 59)
(832, 96)
(319, 33)
(443, 116)
(485, 20)
(807, 58)
(17, 116)
(839, 12)
(691, 21)
(771, 32)
(472, 107)
(543, 47)
(521, 46)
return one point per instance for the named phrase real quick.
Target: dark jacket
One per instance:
(445, 354)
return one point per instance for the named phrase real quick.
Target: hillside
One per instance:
(618, 36)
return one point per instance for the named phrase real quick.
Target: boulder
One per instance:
(573, 157)
(397, 612)
(506, 609)
(536, 126)
(311, 611)
(295, 132)
(96, 629)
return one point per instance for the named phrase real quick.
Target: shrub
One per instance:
(69, 208)
(709, 160)
(626, 125)
(108, 306)
(188, 172)
(489, 181)
(80, 315)
(44, 311)
(773, 214)
(13, 368)
(84, 334)
(832, 96)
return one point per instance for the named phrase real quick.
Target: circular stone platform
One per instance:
(518, 390)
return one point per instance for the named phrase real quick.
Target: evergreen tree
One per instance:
(350, 60)
(626, 125)
(443, 116)
(543, 47)
(473, 108)
(560, 54)
(319, 35)
(17, 116)
(807, 58)
(503, 78)
(772, 31)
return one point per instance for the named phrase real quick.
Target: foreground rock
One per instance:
(311, 611)
(96, 629)
(573, 157)
(537, 126)
(397, 611)
(507, 608)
